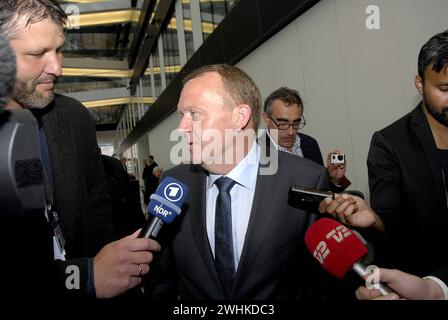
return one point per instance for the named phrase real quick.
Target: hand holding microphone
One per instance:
(338, 250)
(129, 258)
(405, 286)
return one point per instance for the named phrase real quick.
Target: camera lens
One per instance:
(340, 157)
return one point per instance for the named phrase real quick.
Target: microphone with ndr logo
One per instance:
(165, 205)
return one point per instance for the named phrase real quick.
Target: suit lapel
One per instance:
(422, 130)
(263, 209)
(198, 226)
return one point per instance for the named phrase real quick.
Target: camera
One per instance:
(337, 158)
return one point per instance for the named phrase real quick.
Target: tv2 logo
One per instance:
(338, 234)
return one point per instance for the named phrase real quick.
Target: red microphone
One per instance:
(338, 249)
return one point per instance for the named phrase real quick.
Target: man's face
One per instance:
(434, 90)
(39, 62)
(282, 113)
(205, 117)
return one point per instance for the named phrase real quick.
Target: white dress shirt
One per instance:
(242, 195)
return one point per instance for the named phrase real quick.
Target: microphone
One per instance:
(165, 205)
(7, 71)
(21, 170)
(338, 249)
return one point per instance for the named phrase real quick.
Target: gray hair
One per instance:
(11, 11)
(157, 169)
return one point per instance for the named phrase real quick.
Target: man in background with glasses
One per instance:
(283, 111)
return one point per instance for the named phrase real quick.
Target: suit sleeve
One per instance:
(70, 279)
(323, 182)
(384, 180)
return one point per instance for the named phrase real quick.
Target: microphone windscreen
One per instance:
(7, 70)
(335, 246)
(167, 201)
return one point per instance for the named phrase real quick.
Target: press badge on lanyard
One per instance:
(58, 237)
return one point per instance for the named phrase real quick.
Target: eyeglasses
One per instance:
(286, 125)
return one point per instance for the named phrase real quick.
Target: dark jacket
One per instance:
(80, 200)
(78, 177)
(125, 198)
(274, 264)
(408, 193)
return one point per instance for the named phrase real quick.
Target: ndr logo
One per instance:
(173, 192)
(162, 211)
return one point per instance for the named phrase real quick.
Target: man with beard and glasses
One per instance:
(408, 176)
(77, 206)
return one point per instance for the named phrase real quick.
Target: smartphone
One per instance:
(308, 199)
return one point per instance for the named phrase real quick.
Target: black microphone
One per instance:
(21, 170)
(308, 199)
(165, 205)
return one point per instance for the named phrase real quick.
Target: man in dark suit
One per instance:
(408, 175)
(283, 117)
(257, 251)
(408, 170)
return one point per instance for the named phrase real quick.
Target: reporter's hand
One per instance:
(119, 265)
(335, 171)
(404, 285)
(352, 211)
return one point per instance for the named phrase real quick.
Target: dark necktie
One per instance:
(223, 234)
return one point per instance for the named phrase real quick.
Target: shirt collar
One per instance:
(295, 147)
(245, 173)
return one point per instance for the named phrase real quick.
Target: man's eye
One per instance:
(194, 115)
(443, 88)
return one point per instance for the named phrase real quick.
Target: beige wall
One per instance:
(353, 80)
(159, 140)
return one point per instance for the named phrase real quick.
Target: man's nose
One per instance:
(291, 131)
(54, 64)
(184, 125)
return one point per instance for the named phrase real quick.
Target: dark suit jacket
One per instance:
(310, 148)
(124, 196)
(78, 176)
(274, 264)
(408, 193)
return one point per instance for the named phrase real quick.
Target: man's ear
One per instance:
(266, 119)
(242, 115)
(419, 84)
